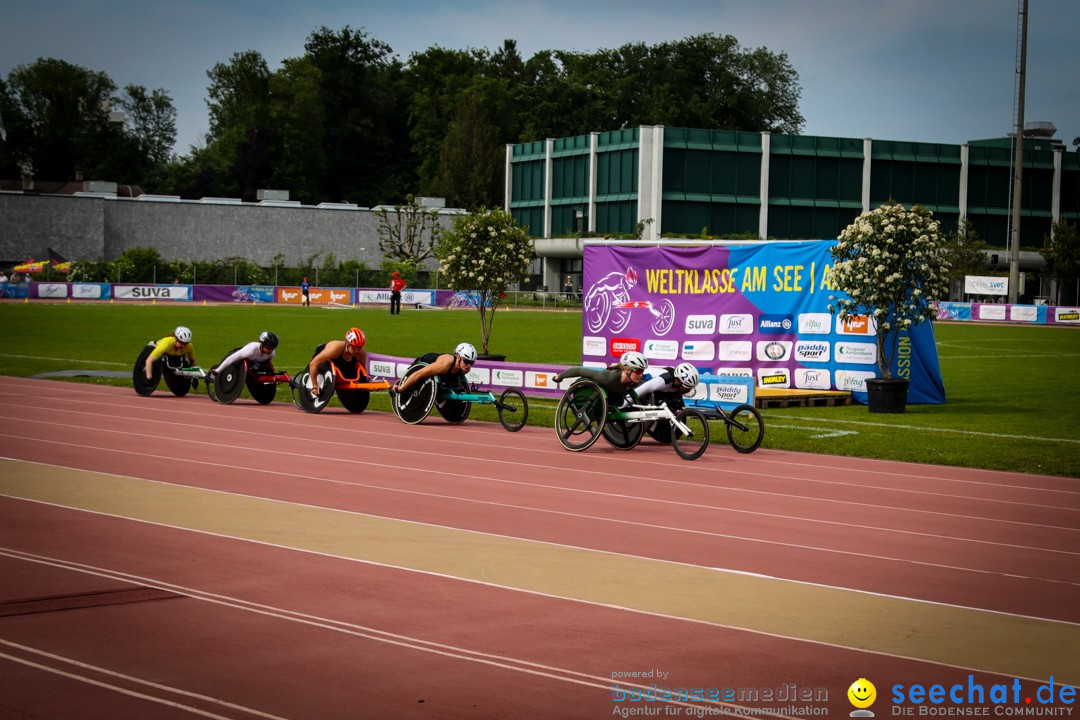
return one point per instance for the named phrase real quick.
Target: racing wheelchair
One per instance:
(261, 381)
(179, 378)
(454, 402)
(583, 415)
(745, 428)
(353, 392)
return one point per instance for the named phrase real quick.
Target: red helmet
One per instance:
(355, 338)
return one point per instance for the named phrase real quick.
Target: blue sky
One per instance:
(926, 70)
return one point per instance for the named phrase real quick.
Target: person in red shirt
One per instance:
(396, 286)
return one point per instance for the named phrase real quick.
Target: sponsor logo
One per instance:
(479, 375)
(812, 379)
(858, 325)
(540, 380)
(52, 290)
(86, 291)
(622, 345)
(1067, 315)
(735, 350)
(288, 296)
(381, 368)
(699, 350)
(339, 297)
(736, 324)
(852, 381)
(812, 351)
(510, 378)
(774, 350)
(700, 324)
(662, 349)
(775, 324)
(729, 393)
(991, 312)
(773, 377)
(815, 323)
(735, 372)
(856, 353)
(1023, 313)
(591, 345)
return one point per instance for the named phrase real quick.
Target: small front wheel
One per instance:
(513, 409)
(690, 447)
(748, 440)
(580, 416)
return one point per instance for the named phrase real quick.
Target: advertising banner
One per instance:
(985, 285)
(491, 375)
(152, 292)
(759, 309)
(319, 296)
(56, 291)
(382, 297)
(91, 291)
(15, 290)
(234, 293)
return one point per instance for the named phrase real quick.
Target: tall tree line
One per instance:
(348, 121)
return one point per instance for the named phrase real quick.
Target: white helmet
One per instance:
(634, 360)
(687, 374)
(182, 334)
(466, 352)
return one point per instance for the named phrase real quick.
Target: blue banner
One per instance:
(759, 310)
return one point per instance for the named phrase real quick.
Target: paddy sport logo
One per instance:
(966, 699)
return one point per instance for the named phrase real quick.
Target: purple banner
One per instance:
(489, 374)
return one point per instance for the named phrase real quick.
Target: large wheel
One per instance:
(303, 398)
(513, 409)
(665, 319)
(596, 307)
(622, 434)
(143, 386)
(691, 447)
(355, 401)
(262, 392)
(415, 404)
(580, 416)
(453, 411)
(749, 440)
(180, 386)
(229, 383)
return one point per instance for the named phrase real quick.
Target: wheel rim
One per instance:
(513, 419)
(582, 411)
(749, 440)
(691, 447)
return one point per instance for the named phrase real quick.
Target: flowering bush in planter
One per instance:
(888, 263)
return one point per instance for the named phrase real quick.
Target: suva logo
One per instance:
(774, 323)
(150, 292)
(700, 324)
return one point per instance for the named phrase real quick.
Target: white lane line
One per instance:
(72, 360)
(953, 431)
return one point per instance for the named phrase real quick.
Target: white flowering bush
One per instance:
(484, 253)
(888, 263)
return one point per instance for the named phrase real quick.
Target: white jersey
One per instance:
(252, 351)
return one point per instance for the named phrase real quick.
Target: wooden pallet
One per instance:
(772, 398)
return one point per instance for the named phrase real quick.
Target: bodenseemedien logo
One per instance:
(862, 695)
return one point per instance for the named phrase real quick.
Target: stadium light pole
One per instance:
(1018, 158)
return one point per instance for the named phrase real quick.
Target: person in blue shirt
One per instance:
(305, 288)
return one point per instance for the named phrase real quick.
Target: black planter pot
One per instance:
(887, 395)
(491, 356)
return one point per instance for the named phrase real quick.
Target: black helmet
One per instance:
(268, 339)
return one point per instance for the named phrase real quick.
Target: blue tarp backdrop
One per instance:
(759, 310)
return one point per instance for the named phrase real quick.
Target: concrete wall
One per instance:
(95, 228)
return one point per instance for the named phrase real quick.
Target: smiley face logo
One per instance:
(862, 693)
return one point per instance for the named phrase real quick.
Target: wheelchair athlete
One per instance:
(618, 381)
(668, 387)
(348, 356)
(176, 345)
(452, 368)
(259, 354)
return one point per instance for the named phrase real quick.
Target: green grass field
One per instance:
(1013, 401)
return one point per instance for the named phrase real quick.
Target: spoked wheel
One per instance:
(453, 411)
(749, 440)
(180, 386)
(691, 447)
(262, 392)
(229, 383)
(302, 397)
(415, 404)
(513, 409)
(355, 401)
(580, 416)
(665, 317)
(622, 434)
(143, 386)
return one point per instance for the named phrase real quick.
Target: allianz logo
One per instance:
(776, 324)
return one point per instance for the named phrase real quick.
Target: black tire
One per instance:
(302, 397)
(580, 416)
(691, 447)
(229, 383)
(180, 386)
(355, 401)
(454, 412)
(622, 434)
(415, 404)
(263, 393)
(144, 387)
(516, 410)
(749, 440)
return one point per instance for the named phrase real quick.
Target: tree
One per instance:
(963, 249)
(483, 254)
(151, 120)
(411, 235)
(471, 158)
(1062, 252)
